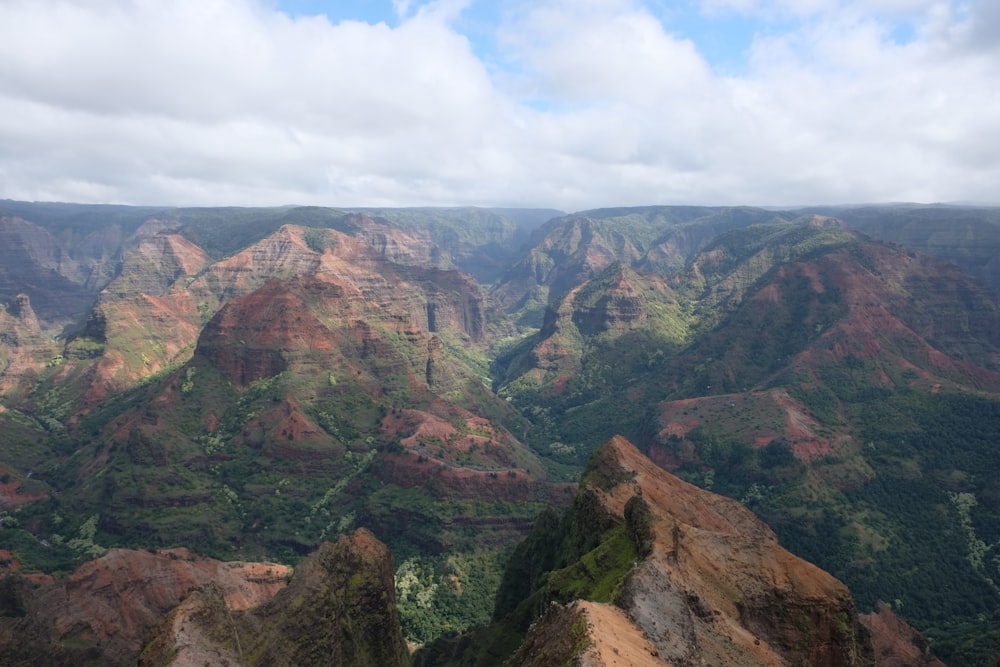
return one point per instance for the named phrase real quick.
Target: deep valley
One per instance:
(660, 435)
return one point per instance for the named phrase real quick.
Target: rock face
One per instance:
(577, 247)
(679, 576)
(155, 264)
(896, 643)
(338, 609)
(22, 346)
(103, 611)
(33, 262)
(598, 634)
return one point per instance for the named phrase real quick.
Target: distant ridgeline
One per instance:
(252, 383)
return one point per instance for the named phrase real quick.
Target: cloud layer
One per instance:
(571, 104)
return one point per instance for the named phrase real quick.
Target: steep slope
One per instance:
(34, 263)
(101, 613)
(338, 609)
(255, 381)
(480, 242)
(316, 380)
(23, 346)
(149, 318)
(816, 370)
(649, 570)
(858, 297)
(157, 285)
(762, 307)
(312, 380)
(568, 251)
(311, 405)
(871, 420)
(965, 235)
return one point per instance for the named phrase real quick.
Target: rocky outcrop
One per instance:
(676, 575)
(618, 301)
(585, 634)
(156, 263)
(25, 314)
(107, 606)
(24, 349)
(338, 609)
(18, 324)
(896, 643)
(33, 262)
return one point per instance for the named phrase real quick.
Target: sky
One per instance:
(568, 104)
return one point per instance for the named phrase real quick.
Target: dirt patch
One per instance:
(757, 418)
(13, 493)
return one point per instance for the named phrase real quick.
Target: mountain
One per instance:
(964, 235)
(33, 263)
(646, 569)
(255, 404)
(780, 306)
(338, 609)
(568, 250)
(102, 612)
(808, 371)
(174, 608)
(250, 383)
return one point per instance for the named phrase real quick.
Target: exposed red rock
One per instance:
(756, 417)
(897, 307)
(112, 602)
(450, 481)
(12, 491)
(339, 609)
(251, 337)
(459, 455)
(896, 643)
(714, 587)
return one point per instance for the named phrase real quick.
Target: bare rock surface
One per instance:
(712, 587)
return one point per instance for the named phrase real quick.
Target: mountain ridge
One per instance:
(251, 382)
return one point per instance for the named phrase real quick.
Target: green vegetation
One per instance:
(599, 574)
(447, 594)
(607, 315)
(921, 531)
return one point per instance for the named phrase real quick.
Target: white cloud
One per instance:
(609, 51)
(587, 103)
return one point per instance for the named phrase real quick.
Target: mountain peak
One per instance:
(711, 581)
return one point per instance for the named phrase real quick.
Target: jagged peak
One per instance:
(610, 464)
(621, 472)
(22, 310)
(709, 581)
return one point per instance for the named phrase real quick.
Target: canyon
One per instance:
(249, 385)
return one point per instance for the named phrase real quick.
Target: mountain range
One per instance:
(250, 384)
